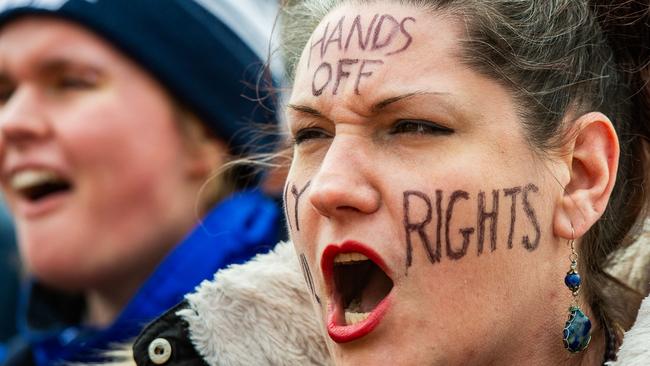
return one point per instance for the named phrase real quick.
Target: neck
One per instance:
(545, 347)
(593, 355)
(104, 305)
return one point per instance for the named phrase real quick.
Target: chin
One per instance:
(58, 276)
(377, 355)
(58, 268)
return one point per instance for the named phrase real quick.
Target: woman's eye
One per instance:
(76, 79)
(307, 134)
(75, 83)
(420, 127)
(5, 94)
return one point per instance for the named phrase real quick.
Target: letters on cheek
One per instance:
(457, 245)
(296, 193)
(382, 36)
(308, 278)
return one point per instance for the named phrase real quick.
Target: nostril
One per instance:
(335, 200)
(22, 118)
(19, 130)
(347, 208)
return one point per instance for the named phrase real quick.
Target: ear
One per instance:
(592, 161)
(206, 153)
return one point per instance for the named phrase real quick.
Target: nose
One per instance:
(344, 183)
(21, 119)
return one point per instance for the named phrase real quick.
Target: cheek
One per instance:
(110, 136)
(297, 208)
(452, 224)
(296, 196)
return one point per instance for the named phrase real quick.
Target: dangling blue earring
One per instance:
(577, 330)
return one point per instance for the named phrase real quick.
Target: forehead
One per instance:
(363, 52)
(32, 39)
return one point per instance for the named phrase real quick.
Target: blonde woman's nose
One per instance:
(22, 118)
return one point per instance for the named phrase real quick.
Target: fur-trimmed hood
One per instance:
(257, 311)
(635, 350)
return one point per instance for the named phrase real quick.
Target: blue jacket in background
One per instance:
(241, 226)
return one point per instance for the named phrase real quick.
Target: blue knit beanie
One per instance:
(210, 54)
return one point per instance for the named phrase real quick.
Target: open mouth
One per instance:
(359, 287)
(36, 185)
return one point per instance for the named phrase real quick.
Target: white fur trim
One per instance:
(258, 313)
(635, 350)
(630, 264)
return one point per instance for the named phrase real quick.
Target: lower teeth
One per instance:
(353, 312)
(355, 306)
(353, 318)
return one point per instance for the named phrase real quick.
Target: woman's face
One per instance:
(93, 164)
(422, 216)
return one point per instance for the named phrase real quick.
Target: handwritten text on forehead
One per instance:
(379, 36)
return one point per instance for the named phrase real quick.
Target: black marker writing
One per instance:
(418, 227)
(306, 272)
(483, 216)
(340, 73)
(324, 75)
(356, 24)
(320, 42)
(316, 91)
(438, 224)
(296, 195)
(383, 32)
(336, 32)
(466, 232)
(393, 27)
(487, 214)
(406, 34)
(530, 212)
(363, 73)
(513, 211)
(386, 33)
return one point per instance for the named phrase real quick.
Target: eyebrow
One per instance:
(375, 108)
(57, 65)
(388, 101)
(305, 109)
(49, 67)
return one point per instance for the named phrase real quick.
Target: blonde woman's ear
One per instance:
(593, 162)
(206, 153)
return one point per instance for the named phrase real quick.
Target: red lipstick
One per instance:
(337, 328)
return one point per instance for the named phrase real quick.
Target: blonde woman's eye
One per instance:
(5, 93)
(308, 134)
(420, 127)
(75, 83)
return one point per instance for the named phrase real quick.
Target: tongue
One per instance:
(377, 288)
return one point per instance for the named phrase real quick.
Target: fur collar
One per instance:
(257, 311)
(635, 350)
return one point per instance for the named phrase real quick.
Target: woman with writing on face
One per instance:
(461, 172)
